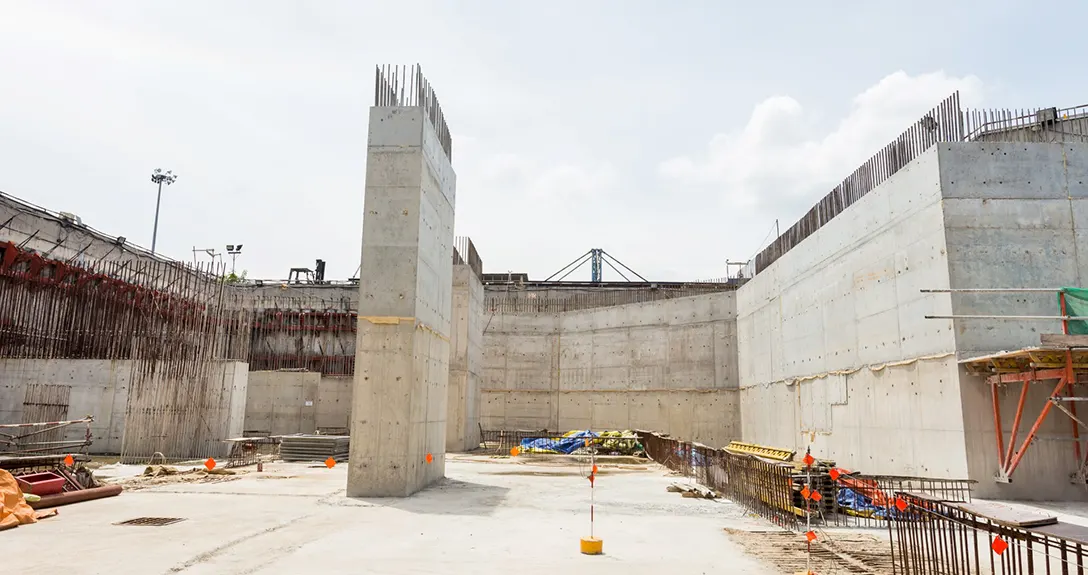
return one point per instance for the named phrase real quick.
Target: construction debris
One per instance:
(14, 510)
(157, 475)
(692, 490)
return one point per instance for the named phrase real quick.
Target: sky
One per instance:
(670, 134)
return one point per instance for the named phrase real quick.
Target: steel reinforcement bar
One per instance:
(764, 487)
(947, 538)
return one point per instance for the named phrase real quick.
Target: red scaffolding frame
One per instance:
(1061, 360)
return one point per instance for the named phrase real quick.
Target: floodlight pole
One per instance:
(158, 177)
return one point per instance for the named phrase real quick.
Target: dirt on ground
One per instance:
(157, 475)
(832, 552)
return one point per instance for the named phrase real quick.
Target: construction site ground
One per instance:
(490, 515)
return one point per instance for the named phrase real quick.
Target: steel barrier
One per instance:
(934, 537)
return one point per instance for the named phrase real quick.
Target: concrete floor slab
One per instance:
(485, 517)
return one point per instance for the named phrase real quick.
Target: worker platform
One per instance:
(1061, 361)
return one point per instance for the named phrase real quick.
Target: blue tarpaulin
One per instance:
(566, 444)
(860, 504)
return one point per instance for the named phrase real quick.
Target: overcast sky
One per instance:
(671, 134)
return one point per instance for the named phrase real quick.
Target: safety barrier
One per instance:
(774, 489)
(963, 539)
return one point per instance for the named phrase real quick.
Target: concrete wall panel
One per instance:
(660, 365)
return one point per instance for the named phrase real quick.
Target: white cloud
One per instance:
(777, 165)
(532, 213)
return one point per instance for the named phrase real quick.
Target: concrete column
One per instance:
(466, 359)
(398, 413)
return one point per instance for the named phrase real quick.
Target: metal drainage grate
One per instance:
(152, 521)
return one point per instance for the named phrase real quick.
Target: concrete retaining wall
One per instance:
(666, 365)
(286, 402)
(100, 388)
(833, 345)
(1016, 216)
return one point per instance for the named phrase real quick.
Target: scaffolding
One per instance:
(1060, 361)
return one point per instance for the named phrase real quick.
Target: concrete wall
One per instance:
(509, 299)
(833, 345)
(466, 360)
(666, 365)
(1016, 216)
(96, 387)
(834, 348)
(286, 402)
(405, 298)
(101, 388)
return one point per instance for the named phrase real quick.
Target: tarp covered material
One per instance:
(14, 510)
(1076, 304)
(569, 443)
(860, 504)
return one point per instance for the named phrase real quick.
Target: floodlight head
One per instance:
(238, 247)
(158, 177)
(230, 247)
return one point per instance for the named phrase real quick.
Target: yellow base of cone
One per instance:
(592, 546)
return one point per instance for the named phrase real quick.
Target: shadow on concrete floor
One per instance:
(447, 497)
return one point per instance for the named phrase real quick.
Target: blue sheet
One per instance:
(563, 445)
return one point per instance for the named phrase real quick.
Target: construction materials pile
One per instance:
(42, 481)
(578, 441)
(314, 447)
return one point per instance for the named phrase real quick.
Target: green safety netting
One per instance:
(1076, 304)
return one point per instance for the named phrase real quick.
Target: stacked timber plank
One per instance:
(314, 447)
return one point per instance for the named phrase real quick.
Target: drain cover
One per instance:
(151, 521)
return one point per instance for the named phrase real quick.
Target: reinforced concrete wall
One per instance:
(667, 365)
(1016, 216)
(834, 348)
(405, 291)
(466, 359)
(100, 388)
(286, 402)
(833, 345)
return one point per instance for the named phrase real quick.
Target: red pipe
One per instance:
(77, 496)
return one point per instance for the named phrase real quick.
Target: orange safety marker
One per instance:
(330, 462)
(900, 504)
(809, 459)
(429, 458)
(811, 536)
(805, 492)
(816, 496)
(209, 463)
(999, 546)
(69, 460)
(514, 452)
(834, 473)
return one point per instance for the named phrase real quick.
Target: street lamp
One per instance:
(159, 178)
(233, 250)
